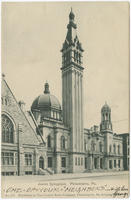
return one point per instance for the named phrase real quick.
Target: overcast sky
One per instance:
(32, 36)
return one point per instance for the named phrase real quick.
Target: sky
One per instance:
(32, 37)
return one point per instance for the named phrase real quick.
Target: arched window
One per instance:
(54, 115)
(109, 117)
(62, 142)
(93, 146)
(79, 57)
(51, 114)
(110, 148)
(6, 102)
(85, 145)
(7, 130)
(118, 149)
(2, 100)
(49, 141)
(57, 115)
(100, 144)
(68, 56)
(74, 55)
(114, 148)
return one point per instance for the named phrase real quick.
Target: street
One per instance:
(106, 184)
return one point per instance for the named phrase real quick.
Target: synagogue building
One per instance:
(50, 137)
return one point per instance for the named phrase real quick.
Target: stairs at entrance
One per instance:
(45, 171)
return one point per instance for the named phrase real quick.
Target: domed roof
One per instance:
(105, 108)
(46, 100)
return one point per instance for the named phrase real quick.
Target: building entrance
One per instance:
(95, 163)
(41, 162)
(101, 163)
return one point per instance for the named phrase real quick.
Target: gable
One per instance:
(11, 107)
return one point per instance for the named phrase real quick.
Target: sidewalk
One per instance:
(82, 175)
(67, 176)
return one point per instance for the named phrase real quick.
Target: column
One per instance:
(79, 94)
(67, 98)
(78, 113)
(77, 107)
(117, 168)
(63, 98)
(82, 139)
(58, 165)
(121, 164)
(73, 111)
(20, 151)
(92, 167)
(21, 161)
(75, 117)
(90, 164)
(106, 164)
(36, 161)
(66, 90)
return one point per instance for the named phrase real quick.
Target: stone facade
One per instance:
(72, 93)
(49, 139)
(25, 140)
(101, 151)
(126, 150)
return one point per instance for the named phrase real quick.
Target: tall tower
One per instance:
(72, 94)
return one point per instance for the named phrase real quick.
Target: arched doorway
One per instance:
(41, 162)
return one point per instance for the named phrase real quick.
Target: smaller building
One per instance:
(103, 147)
(126, 150)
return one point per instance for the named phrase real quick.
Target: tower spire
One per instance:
(72, 48)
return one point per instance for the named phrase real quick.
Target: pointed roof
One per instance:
(71, 37)
(17, 114)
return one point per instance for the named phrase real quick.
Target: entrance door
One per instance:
(95, 163)
(85, 163)
(101, 163)
(41, 162)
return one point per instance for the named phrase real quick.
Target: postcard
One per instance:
(65, 100)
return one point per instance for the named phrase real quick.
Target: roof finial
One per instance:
(3, 75)
(46, 91)
(71, 15)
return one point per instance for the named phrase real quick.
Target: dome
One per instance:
(45, 101)
(106, 108)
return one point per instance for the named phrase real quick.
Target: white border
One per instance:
(1, 70)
